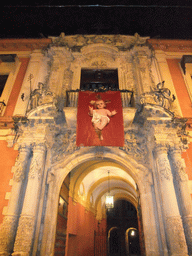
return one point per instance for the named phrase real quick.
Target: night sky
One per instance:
(166, 19)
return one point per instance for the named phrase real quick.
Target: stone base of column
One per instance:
(187, 223)
(176, 238)
(7, 234)
(24, 236)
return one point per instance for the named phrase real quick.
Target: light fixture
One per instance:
(109, 201)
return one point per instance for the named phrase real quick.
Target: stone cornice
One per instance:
(24, 44)
(170, 45)
(6, 122)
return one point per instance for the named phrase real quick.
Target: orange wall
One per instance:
(188, 161)
(80, 230)
(185, 104)
(7, 160)
(16, 87)
(180, 87)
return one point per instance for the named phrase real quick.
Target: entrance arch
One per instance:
(128, 177)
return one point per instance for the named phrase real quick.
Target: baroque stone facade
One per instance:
(46, 137)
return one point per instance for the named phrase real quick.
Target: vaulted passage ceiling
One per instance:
(91, 181)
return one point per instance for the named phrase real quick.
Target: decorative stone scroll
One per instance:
(64, 144)
(159, 96)
(76, 42)
(135, 145)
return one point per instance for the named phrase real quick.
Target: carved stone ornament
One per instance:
(158, 96)
(37, 162)
(76, 42)
(177, 243)
(179, 170)
(40, 96)
(25, 233)
(21, 164)
(7, 233)
(163, 165)
(64, 144)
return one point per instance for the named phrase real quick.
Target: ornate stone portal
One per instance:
(154, 140)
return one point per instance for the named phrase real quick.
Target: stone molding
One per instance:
(24, 44)
(76, 42)
(171, 45)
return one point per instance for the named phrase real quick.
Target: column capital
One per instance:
(176, 149)
(41, 146)
(161, 147)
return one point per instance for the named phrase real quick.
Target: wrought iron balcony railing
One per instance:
(127, 98)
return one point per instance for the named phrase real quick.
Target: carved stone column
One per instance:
(184, 198)
(148, 214)
(10, 221)
(173, 224)
(26, 225)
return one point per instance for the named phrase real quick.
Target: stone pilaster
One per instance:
(10, 221)
(181, 185)
(26, 227)
(173, 223)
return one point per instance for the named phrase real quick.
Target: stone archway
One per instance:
(139, 174)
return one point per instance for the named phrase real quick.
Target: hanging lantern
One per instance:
(109, 200)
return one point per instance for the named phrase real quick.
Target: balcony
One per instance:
(127, 98)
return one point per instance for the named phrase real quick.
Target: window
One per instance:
(99, 79)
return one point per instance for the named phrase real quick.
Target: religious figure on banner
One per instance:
(100, 115)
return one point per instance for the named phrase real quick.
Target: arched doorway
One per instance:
(87, 192)
(120, 219)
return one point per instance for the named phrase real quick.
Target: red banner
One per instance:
(89, 131)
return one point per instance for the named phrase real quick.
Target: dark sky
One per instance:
(166, 19)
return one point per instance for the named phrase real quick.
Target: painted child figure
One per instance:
(100, 116)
